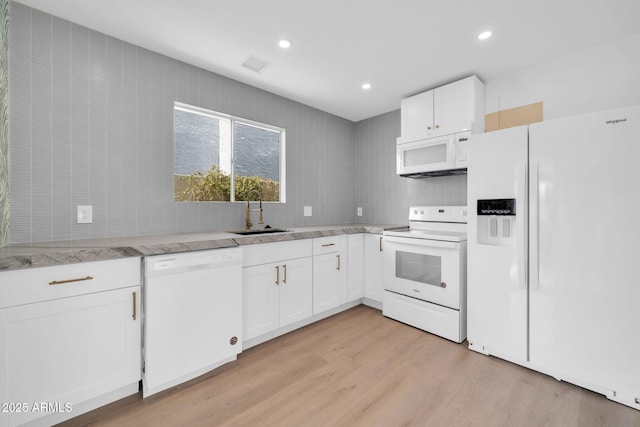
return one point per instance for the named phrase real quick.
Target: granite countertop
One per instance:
(45, 254)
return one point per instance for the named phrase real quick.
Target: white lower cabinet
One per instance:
(260, 300)
(75, 347)
(327, 283)
(373, 261)
(295, 291)
(329, 272)
(355, 271)
(276, 293)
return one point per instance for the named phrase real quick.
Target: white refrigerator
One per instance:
(554, 249)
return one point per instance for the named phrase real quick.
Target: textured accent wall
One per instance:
(4, 123)
(384, 196)
(92, 124)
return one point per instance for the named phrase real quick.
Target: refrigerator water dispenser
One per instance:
(496, 222)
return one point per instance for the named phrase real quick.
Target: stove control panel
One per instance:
(438, 213)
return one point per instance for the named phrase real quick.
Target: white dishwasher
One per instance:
(192, 315)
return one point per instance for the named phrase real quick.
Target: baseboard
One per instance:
(292, 327)
(87, 406)
(372, 303)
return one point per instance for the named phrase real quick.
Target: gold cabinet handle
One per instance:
(135, 306)
(284, 281)
(328, 244)
(338, 268)
(60, 282)
(277, 275)
(437, 126)
(380, 243)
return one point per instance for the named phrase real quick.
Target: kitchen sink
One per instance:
(258, 231)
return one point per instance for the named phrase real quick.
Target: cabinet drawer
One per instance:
(265, 253)
(48, 283)
(326, 245)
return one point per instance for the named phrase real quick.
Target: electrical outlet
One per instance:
(85, 214)
(359, 211)
(307, 211)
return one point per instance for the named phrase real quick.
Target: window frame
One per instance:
(233, 119)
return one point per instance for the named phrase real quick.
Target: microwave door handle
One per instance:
(521, 223)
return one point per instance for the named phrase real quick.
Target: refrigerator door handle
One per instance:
(521, 223)
(534, 227)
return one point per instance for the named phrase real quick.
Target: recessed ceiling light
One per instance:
(285, 44)
(366, 86)
(484, 35)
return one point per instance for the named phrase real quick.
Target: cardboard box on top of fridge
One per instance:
(512, 117)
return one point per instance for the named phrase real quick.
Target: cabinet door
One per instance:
(416, 116)
(260, 300)
(453, 107)
(355, 281)
(373, 260)
(326, 281)
(296, 287)
(70, 350)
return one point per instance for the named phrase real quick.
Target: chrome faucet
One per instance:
(248, 222)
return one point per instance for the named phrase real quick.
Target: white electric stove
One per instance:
(425, 271)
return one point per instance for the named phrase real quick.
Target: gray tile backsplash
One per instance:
(92, 124)
(384, 196)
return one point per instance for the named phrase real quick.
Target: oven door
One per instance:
(429, 270)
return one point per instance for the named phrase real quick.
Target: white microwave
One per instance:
(439, 156)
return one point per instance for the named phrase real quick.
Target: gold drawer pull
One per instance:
(60, 282)
(134, 315)
(328, 244)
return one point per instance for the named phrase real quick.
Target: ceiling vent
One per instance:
(255, 64)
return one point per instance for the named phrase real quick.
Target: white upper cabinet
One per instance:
(416, 116)
(456, 107)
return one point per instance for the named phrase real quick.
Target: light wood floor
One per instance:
(359, 368)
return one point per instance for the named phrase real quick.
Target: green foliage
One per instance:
(215, 185)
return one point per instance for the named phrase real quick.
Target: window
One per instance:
(218, 157)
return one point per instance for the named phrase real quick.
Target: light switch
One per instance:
(359, 211)
(307, 211)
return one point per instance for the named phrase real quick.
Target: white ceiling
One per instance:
(401, 47)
